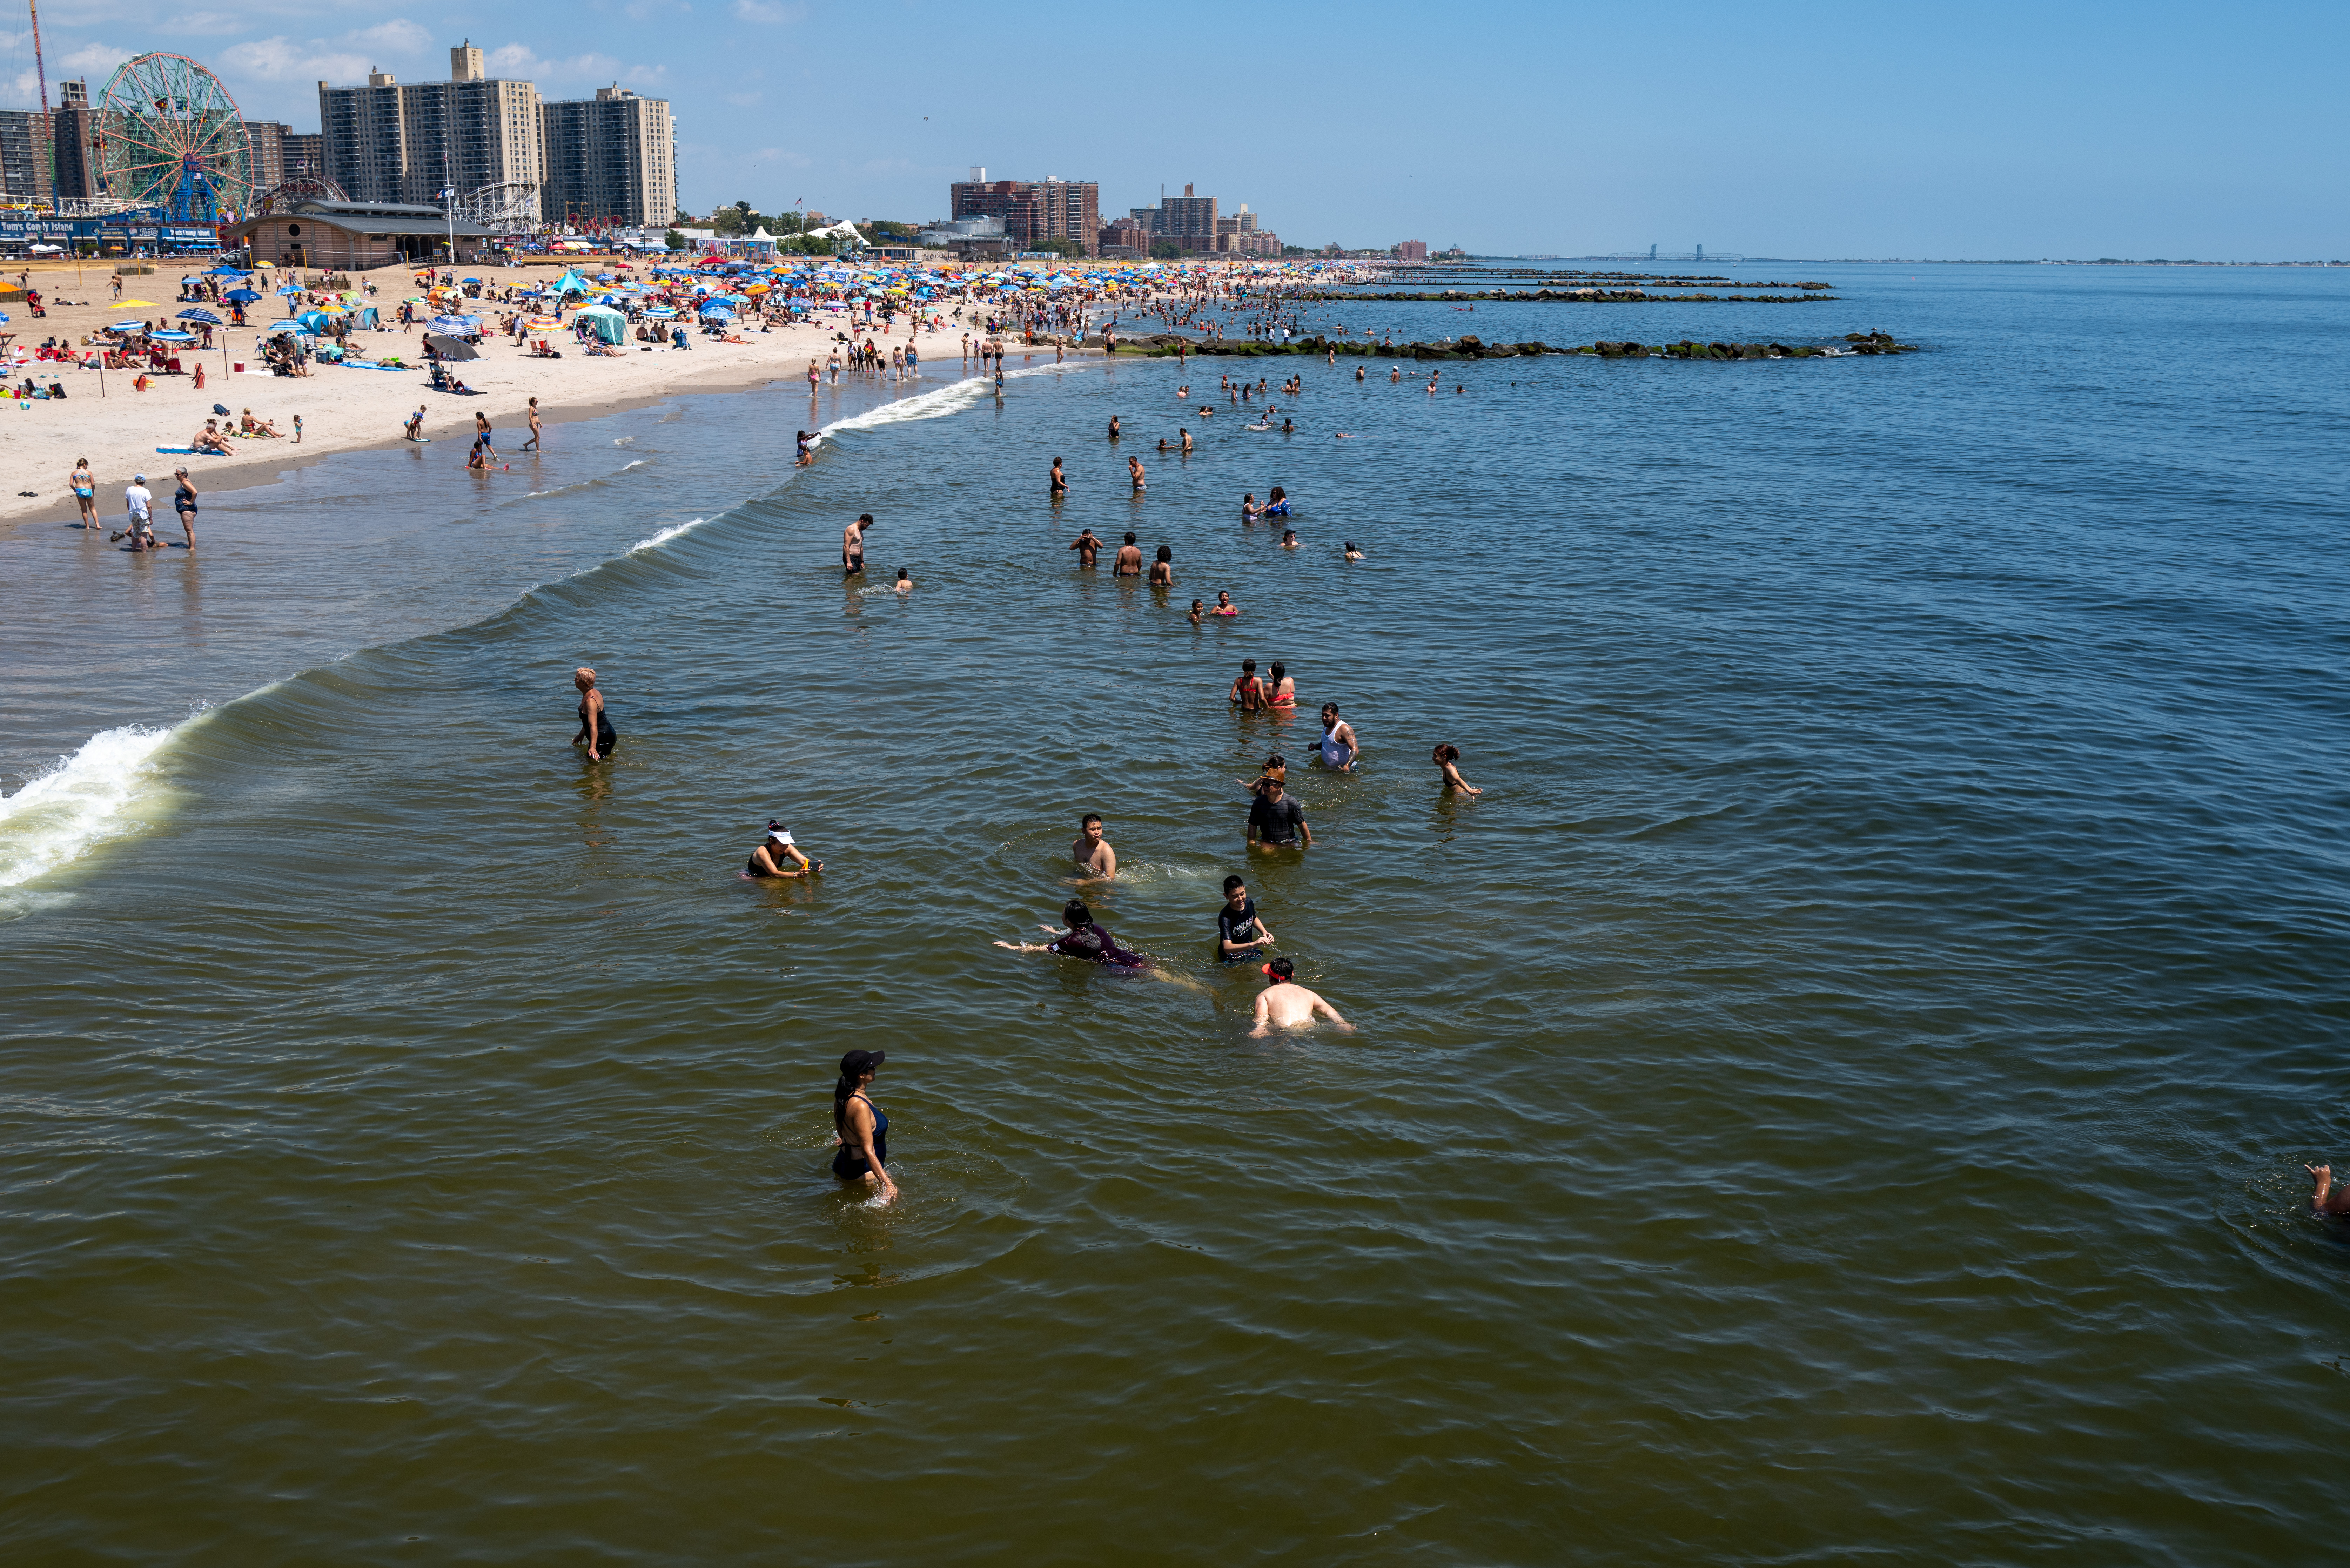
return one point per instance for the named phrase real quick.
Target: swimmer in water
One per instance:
(858, 1126)
(1224, 605)
(1163, 570)
(1113, 427)
(594, 721)
(1358, 372)
(905, 581)
(1343, 435)
(1086, 546)
(1247, 693)
(1129, 560)
(1275, 820)
(1250, 510)
(1276, 503)
(1284, 687)
(1339, 747)
(1162, 444)
(1289, 538)
(1090, 850)
(2326, 1200)
(1134, 473)
(1198, 609)
(777, 856)
(1241, 932)
(1448, 758)
(1082, 940)
(852, 544)
(1276, 771)
(1352, 552)
(1285, 1004)
(1060, 484)
(1287, 427)
(1186, 435)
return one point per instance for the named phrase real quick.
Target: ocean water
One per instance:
(1839, 1093)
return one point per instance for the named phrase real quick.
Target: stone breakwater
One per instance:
(1165, 344)
(1583, 296)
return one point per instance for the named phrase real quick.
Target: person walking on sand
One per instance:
(1090, 850)
(852, 544)
(1285, 1004)
(532, 444)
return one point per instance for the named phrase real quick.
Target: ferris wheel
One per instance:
(170, 136)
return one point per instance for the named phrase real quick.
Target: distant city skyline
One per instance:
(2003, 131)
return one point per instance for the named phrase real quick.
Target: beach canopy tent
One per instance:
(225, 271)
(606, 322)
(206, 316)
(314, 320)
(451, 347)
(570, 282)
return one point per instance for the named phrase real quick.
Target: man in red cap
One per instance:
(1285, 1004)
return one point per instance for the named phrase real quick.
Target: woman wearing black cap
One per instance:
(859, 1126)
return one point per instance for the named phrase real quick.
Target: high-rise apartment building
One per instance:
(1412, 250)
(611, 160)
(266, 165)
(305, 153)
(1190, 221)
(387, 142)
(76, 140)
(1033, 210)
(24, 144)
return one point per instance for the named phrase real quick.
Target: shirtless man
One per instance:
(2326, 1200)
(1086, 546)
(1129, 559)
(852, 544)
(1091, 851)
(1285, 1004)
(1134, 472)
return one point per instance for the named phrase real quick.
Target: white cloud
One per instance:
(520, 62)
(291, 60)
(767, 11)
(399, 37)
(95, 60)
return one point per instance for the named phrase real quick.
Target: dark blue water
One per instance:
(1839, 1094)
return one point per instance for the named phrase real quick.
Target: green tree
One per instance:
(674, 240)
(1165, 250)
(1059, 246)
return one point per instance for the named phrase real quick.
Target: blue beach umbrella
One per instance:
(288, 288)
(241, 296)
(206, 316)
(168, 336)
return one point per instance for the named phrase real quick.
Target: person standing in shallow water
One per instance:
(859, 1127)
(595, 724)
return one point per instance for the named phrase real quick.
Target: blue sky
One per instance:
(1826, 129)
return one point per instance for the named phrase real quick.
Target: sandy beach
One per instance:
(341, 409)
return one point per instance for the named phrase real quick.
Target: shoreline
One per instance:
(349, 410)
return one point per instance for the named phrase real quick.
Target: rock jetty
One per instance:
(1161, 345)
(1591, 295)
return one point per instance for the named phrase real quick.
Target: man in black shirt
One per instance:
(1239, 933)
(1275, 820)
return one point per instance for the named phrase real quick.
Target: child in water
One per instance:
(905, 582)
(1448, 760)
(1224, 605)
(1196, 609)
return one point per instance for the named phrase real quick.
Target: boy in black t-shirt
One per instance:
(1239, 933)
(1275, 821)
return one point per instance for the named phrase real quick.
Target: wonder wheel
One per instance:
(170, 136)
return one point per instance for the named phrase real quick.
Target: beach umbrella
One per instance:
(225, 271)
(136, 305)
(462, 325)
(171, 336)
(241, 296)
(206, 316)
(289, 288)
(451, 347)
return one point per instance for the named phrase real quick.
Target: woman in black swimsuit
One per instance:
(593, 720)
(858, 1126)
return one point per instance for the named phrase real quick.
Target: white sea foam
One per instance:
(638, 463)
(660, 537)
(935, 405)
(83, 801)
